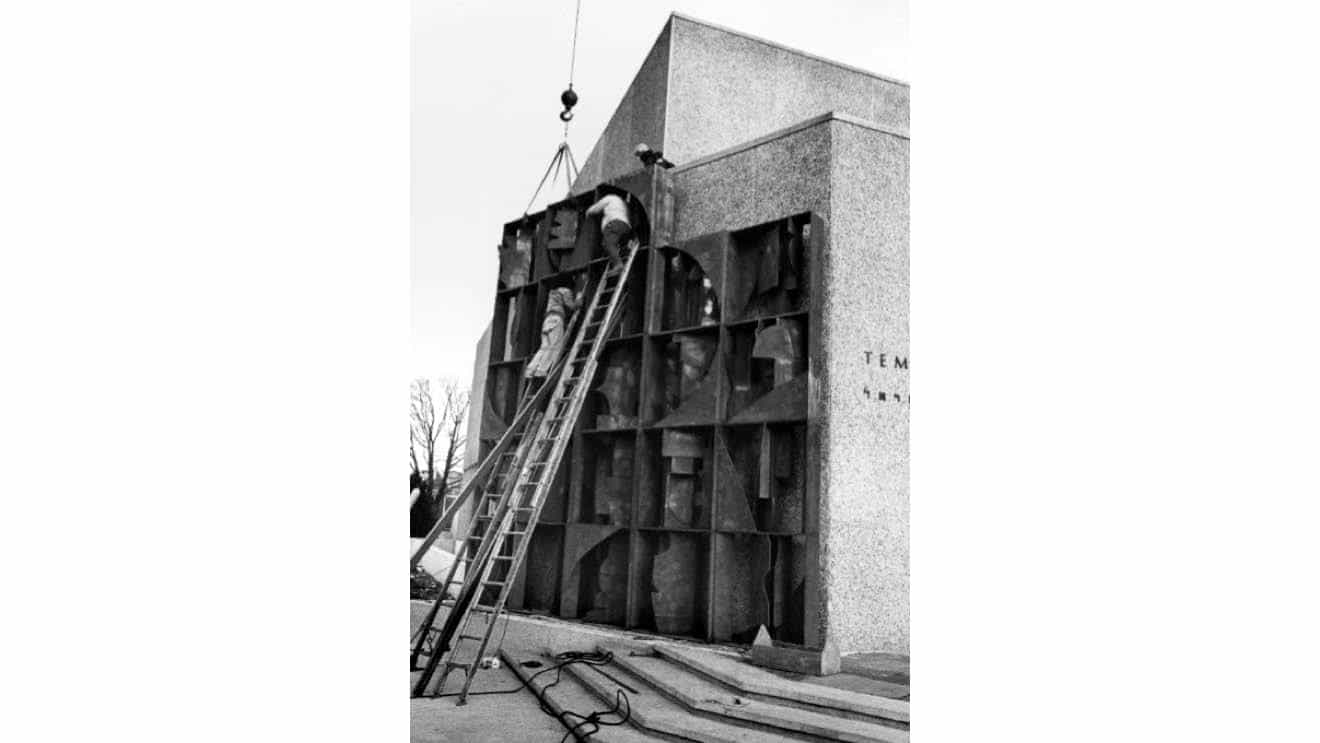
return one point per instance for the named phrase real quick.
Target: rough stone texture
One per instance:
(864, 441)
(703, 88)
(640, 117)
(788, 175)
(726, 88)
(855, 177)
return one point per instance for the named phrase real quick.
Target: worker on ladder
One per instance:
(559, 309)
(615, 228)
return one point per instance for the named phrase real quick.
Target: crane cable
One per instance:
(569, 97)
(563, 156)
(572, 60)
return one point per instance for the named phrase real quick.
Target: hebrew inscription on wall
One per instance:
(887, 382)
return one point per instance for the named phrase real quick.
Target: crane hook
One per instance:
(569, 99)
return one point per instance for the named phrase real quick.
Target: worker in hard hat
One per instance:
(615, 229)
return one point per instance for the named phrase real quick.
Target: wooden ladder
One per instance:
(517, 507)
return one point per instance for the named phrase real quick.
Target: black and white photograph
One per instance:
(662, 280)
(660, 490)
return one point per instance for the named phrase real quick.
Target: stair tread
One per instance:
(752, 679)
(701, 694)
(654, 712)
(570, 694)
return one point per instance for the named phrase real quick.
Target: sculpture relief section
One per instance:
(684, 506)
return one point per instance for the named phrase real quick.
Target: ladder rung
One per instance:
(494, 583)
(471, 637)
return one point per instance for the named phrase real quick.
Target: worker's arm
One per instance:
(580, 289)
(596, 208)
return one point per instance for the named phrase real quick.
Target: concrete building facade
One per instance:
(764, 435)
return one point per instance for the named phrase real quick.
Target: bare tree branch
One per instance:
(455, 412)
(436, 436)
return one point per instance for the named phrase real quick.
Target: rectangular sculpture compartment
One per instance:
(669, 595)
(608, 462)
(770, 268)
(684, 503)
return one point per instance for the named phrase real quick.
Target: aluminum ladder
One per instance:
(518, 508)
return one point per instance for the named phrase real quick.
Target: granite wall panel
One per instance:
(726, 88)
(788, 175)
(640, 117)
(864, 392)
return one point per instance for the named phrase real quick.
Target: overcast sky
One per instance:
(486, 79)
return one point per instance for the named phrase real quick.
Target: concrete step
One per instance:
(701, 695)
(570, 694)
(743, 678)
(657, 714)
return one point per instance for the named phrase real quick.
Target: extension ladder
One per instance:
(517, 507)
(497, 489)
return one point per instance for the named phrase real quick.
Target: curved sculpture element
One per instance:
(692, 285)
(693, 381)
(674, 580)
(609, 602)
(618, 387)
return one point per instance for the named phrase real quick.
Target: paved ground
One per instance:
(881, 674)
(485, 718)
(491, 718)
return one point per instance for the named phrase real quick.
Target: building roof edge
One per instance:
(792, 50)
(786, 131)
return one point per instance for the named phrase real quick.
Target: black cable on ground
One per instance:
(622, 707)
